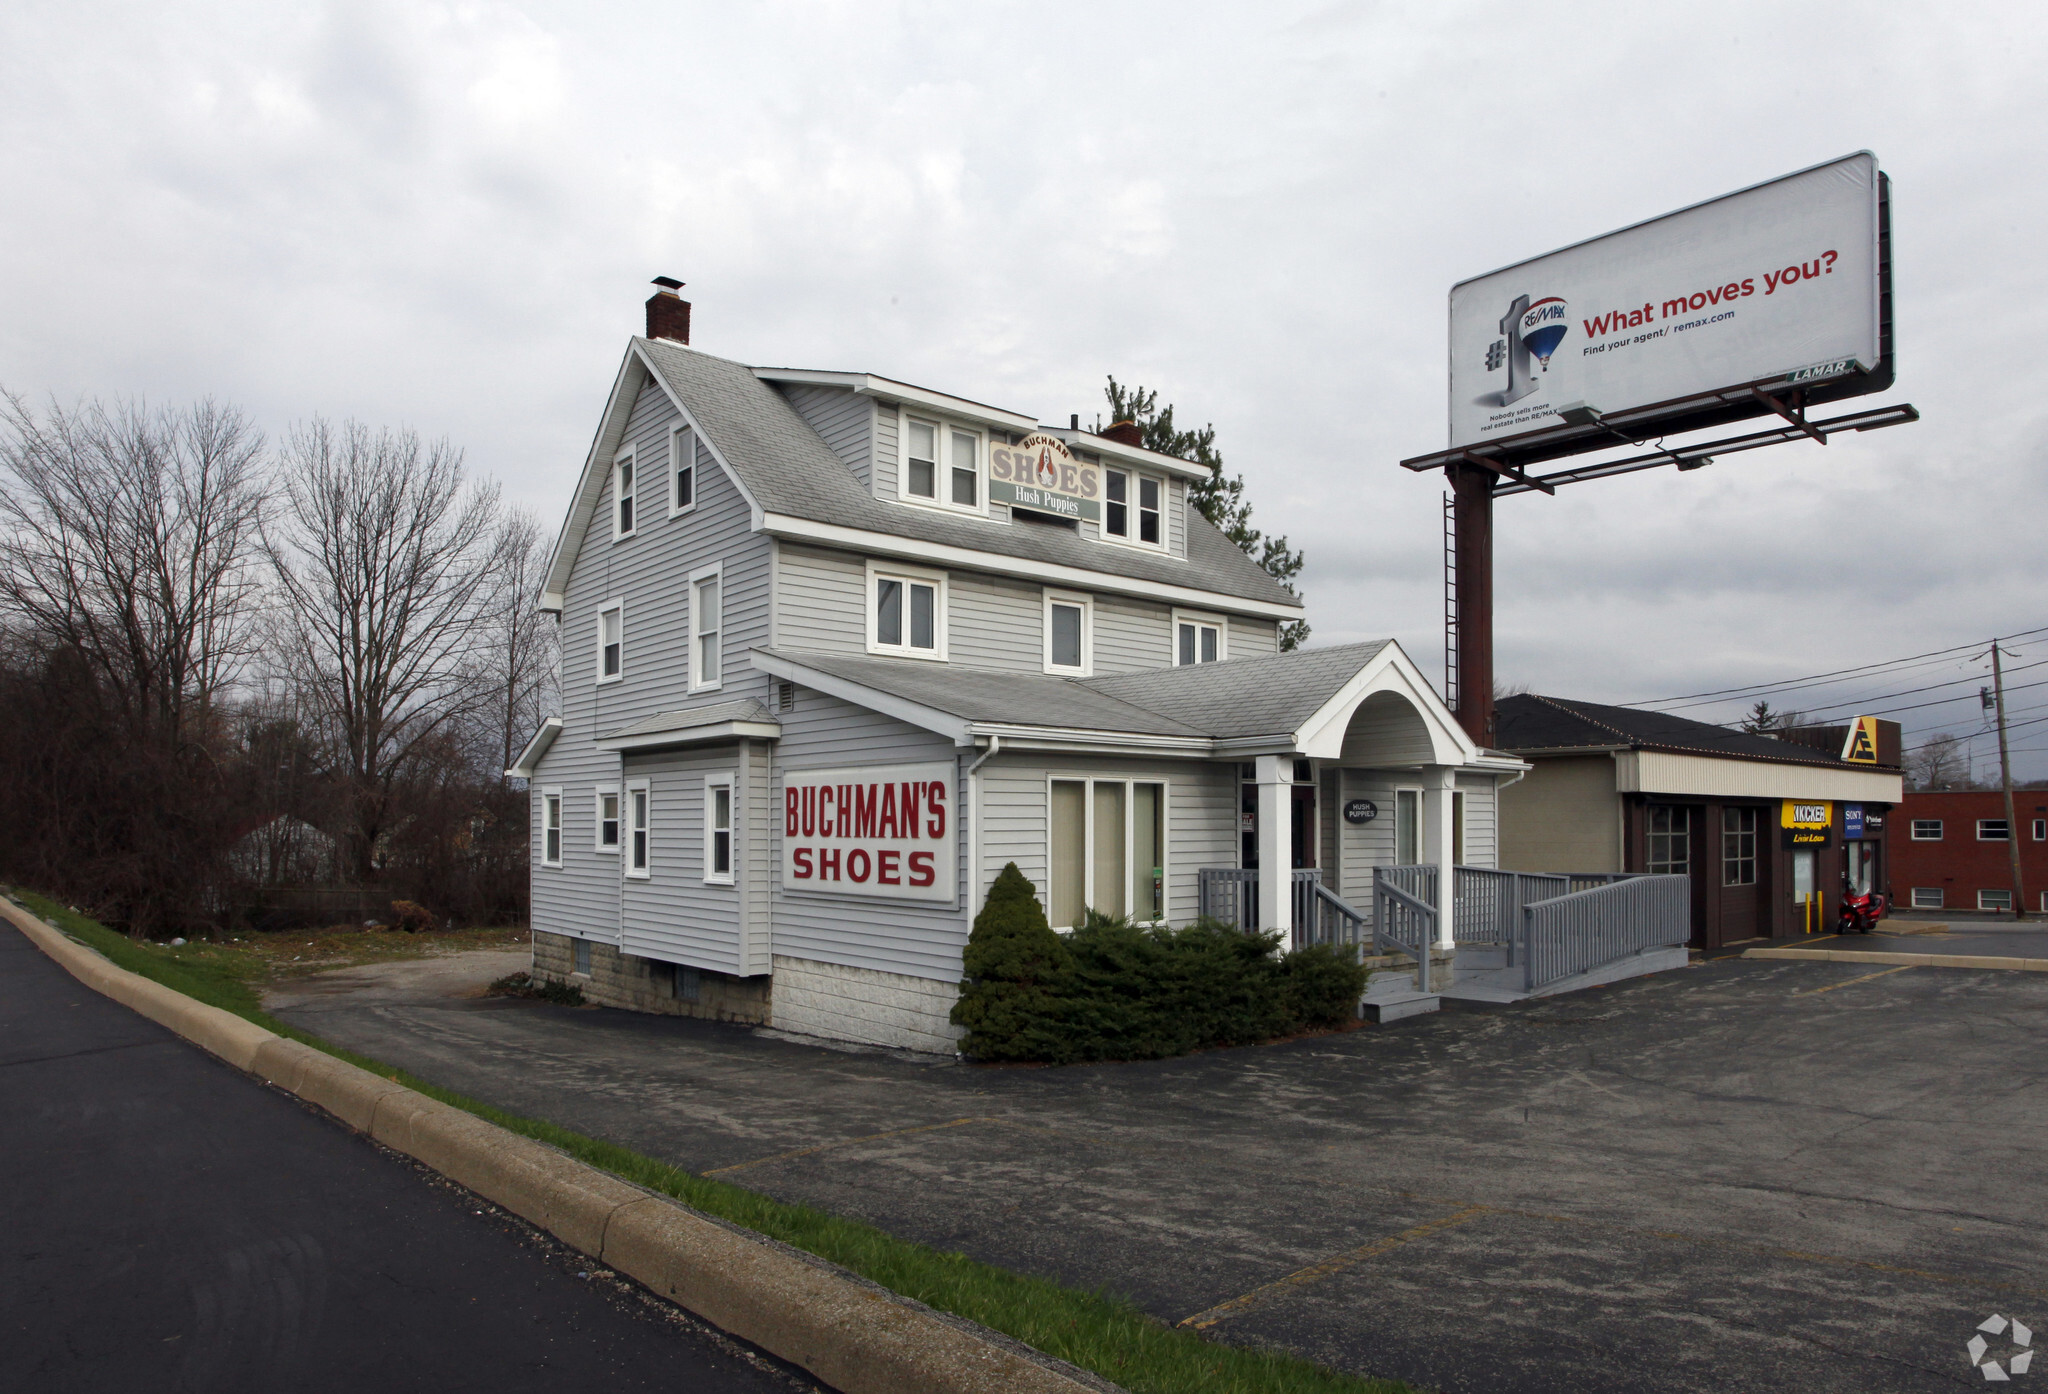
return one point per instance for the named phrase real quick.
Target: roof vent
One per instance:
(668, 314)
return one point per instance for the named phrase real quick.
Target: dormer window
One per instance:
(1128, 494)
(942, 465)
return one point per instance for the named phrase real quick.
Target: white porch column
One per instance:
(1276, 858)
(1439, 843)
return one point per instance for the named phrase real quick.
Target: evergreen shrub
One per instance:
(1114, 990)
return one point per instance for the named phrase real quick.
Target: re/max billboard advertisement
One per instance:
(1778, 280)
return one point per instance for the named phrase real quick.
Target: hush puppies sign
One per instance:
(879, 830)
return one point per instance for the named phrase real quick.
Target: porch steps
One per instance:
(1480, 978)
(1392, 1006)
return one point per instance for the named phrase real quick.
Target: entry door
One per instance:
(1304, 831)
(1741, 870)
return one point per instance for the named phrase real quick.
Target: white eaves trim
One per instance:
(868, 385)
(1389, 670)
(1050, 573)
(529, 758)
(1077, 738)
(695, 735)
(954, 728)
(1134, 455)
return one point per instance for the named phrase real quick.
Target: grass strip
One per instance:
(1093, 1330)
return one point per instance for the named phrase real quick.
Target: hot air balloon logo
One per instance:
(1542, 326)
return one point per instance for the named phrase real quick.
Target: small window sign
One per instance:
(1357, 811)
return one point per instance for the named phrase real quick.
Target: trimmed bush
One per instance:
(1113, 990)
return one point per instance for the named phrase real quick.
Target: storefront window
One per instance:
(1107, 850)
(1738, 847)
(1862, 865)
(1670, 849)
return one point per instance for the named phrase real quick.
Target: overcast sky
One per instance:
(446, 217)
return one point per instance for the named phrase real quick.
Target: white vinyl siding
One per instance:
(1250, 638)
(843, 418)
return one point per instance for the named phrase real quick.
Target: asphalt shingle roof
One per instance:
(789, 469)
(1528, 722)
(1244, 697)
(661, 723)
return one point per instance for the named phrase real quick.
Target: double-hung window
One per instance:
(706, 620)
(1108, 850)
(1133, 507)
(1926, 830)
(942, 464)
(611, 641)
(638, 834)
(622, 495)
(608, 818)
(551, 827)
(718, 829)
(1197, 639)
(682, 470)
(1069, 634)
(906, 612)
(1738, 846)
(1992, 830)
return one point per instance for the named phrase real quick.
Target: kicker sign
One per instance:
(880, 830)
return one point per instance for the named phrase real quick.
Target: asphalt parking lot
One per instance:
(1744, 1175)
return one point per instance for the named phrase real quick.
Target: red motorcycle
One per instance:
(1860, 910)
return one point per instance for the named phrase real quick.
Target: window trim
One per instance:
(1421, 823)
(551, 802)
(618, 605)
(1913, 898)
(1980, 830)
(727, 780)
(675, 468)
(2041, 830)
(695, 667)
(2006, 908)
(1134, 492)
(638, 859)
(1755, 859)
(885, 571)
(1651, 863)
(626, 458)
(597, 841)
(1220, 623)
(1914, 826)
(942, 465)
(1086, 604)
(1088, 782)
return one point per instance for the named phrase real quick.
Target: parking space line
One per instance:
(844, 1142)
(1882, 973)
(1337, 1264)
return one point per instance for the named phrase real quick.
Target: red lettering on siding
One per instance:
(921, 873)
(935, 826)
(859, 864)
(803, 863)
(863, 811)
(828, 863)
(792, 799)
(885, 868)
(888, 826)
(825, 813)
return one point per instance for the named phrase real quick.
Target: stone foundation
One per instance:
(1395, 973)
(649, 985)
(865, 1006)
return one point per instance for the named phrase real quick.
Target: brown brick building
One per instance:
(1949, 850)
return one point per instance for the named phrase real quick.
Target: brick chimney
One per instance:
(668, 314)
(1125, 433)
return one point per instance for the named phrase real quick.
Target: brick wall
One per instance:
(647, 985)
(1957, 864)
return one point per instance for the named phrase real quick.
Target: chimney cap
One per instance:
(667, 283)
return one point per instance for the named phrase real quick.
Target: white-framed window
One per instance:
(2041, 830)
(718, 826)
(1994, 900)
(1992, 830)
(906, 611)
(1926, 830)
(1199, 638)
(1926, 897)
(707, 665)
(1407, 827)
(682, 470)
(611, 641)
(551, 827)
(1107, 849)
(608, 818)
(1134, 507)
(944, 464)
(1069, 634)
(639, 832)
(624, 489)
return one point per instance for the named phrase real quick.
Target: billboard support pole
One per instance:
(1472, 509)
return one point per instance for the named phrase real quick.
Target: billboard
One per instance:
(879, 831)
(1777, 281)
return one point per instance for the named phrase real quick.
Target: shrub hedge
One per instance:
(1113, 990)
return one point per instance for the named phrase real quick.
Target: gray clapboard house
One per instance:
(836, 648)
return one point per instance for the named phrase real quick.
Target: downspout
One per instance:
(995, 743)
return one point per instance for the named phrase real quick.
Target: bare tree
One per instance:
(129, 536)
(1939, 762)
(523, 644)
(386, 561)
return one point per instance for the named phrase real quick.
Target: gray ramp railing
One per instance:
(1583, 930)
(1229, 894)
(1329, 920)
(1402, 921)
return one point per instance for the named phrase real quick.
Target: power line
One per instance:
(1814, 679)
(1931, 687)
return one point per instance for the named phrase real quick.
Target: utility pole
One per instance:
(2012, 826)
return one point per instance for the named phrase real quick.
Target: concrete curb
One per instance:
(2022, 965)
(853, 1335)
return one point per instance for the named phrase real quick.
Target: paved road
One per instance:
(1978, 940)
(1746, 1175)
(172, 1224)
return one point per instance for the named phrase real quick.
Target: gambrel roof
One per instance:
(797, 487)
